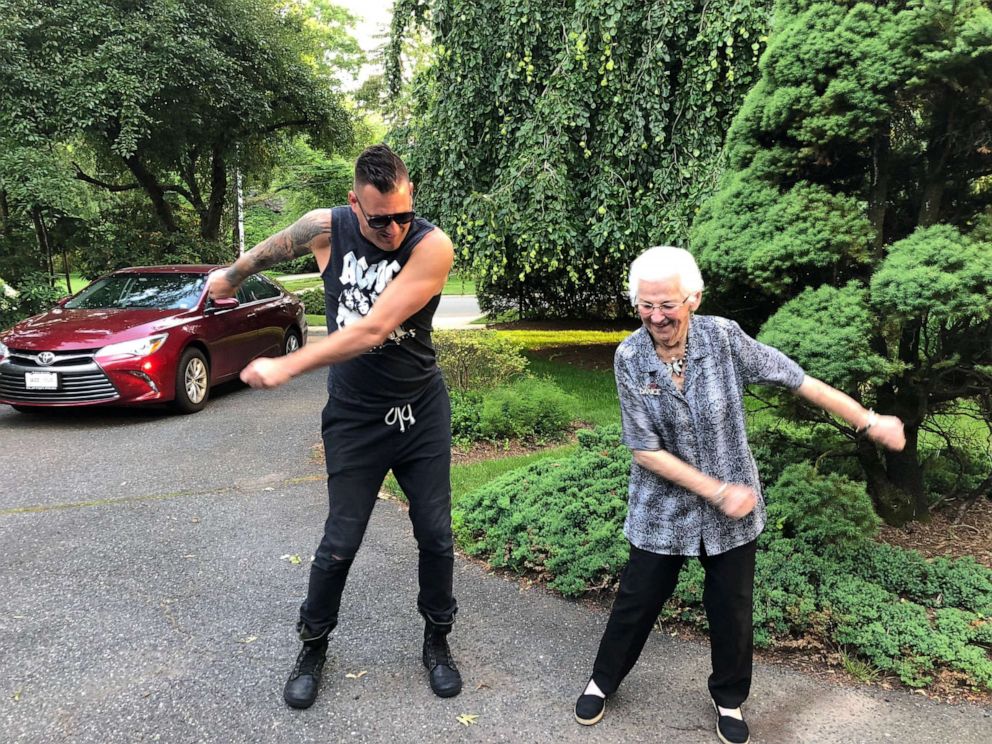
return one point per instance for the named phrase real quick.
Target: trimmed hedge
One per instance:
(818, 570)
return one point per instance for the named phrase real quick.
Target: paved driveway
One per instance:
(147, 594)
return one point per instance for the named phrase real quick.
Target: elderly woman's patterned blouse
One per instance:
(703, 425)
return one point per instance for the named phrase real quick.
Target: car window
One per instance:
(260, 289)
(141, 291)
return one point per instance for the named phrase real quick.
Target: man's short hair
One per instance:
(380, 167)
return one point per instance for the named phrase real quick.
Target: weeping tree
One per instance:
(170, 95)
(556, 140)
(853, 222)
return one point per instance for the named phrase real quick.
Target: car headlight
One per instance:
(4, 351)
(138, 348)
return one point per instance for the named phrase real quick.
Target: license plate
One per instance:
(41, 380)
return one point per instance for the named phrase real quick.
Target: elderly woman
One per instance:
(694, 487)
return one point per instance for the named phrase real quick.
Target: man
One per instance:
(383, 270)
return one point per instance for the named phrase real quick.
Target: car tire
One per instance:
(192, 382)
(291, 342)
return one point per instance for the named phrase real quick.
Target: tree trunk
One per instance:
(41, 233)
(210, 219)
(938, 151)
(895, 480)
(877, 204)
(5, 228)
(65, 266)
(154, 190)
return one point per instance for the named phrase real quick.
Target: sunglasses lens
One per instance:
(381, 221)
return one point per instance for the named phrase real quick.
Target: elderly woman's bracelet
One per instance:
(718, 497)
(872, 420)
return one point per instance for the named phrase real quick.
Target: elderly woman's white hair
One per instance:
(664, 262)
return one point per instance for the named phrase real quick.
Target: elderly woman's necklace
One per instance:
(676, 367)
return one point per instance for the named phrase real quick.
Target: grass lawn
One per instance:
(78, 283)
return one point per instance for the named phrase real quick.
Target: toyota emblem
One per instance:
(45, 358)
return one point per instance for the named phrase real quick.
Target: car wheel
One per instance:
(192, 382)
(291, 343)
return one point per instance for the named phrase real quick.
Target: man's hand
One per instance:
(738, 500)
(265, 372)
(888, 432)
(219, 286)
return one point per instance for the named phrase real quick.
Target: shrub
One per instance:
(475, 360)
(34, 294)
(306, 264)
(466, 406)
(831, 513)
(530, 409)
(313, 301)
(559, 518)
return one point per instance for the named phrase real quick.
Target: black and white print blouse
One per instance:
(703, 425)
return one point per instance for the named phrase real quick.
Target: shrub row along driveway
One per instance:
(148, 588)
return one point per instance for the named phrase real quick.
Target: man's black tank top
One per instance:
(396, 372)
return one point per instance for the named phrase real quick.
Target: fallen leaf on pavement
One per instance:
(294, 559)
(467, 719)
(248, 639)
(359, 675)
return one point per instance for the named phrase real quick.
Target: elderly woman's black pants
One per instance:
(646, 584)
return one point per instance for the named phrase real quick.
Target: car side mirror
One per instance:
(223, 303)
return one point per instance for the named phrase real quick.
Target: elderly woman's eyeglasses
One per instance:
(668, 308)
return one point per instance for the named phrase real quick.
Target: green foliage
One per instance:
(853, 219)
(560, 518)
(529, 409)
(474, 360)
(556, 140)
(304, 178)
(817, 571)
(466, 411)
(313, 301)
(34, 294)
(167, 101)
(829, 514)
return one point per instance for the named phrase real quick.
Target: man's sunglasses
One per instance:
(382, 220)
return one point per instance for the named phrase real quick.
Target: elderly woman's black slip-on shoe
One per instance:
(731, 730)
(589, 709)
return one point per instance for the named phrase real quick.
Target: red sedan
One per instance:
(145, 335)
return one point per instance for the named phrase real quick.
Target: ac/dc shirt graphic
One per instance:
(361, 286)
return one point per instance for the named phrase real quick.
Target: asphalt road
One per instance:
(148, 593)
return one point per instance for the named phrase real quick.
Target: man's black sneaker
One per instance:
(731, 730)
(301, 687)
(445, 679)
(589, 709)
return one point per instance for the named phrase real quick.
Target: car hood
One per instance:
(69, 330)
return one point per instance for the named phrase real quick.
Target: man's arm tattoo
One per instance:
(295, 240)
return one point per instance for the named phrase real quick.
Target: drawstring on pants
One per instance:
(403, 415)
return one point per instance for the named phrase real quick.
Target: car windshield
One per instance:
(151, 291)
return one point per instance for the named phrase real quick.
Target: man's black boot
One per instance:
(301, 687)
(445, 679)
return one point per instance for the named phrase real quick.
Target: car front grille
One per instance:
(81, 379)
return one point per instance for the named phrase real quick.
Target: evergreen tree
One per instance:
(853, 221)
